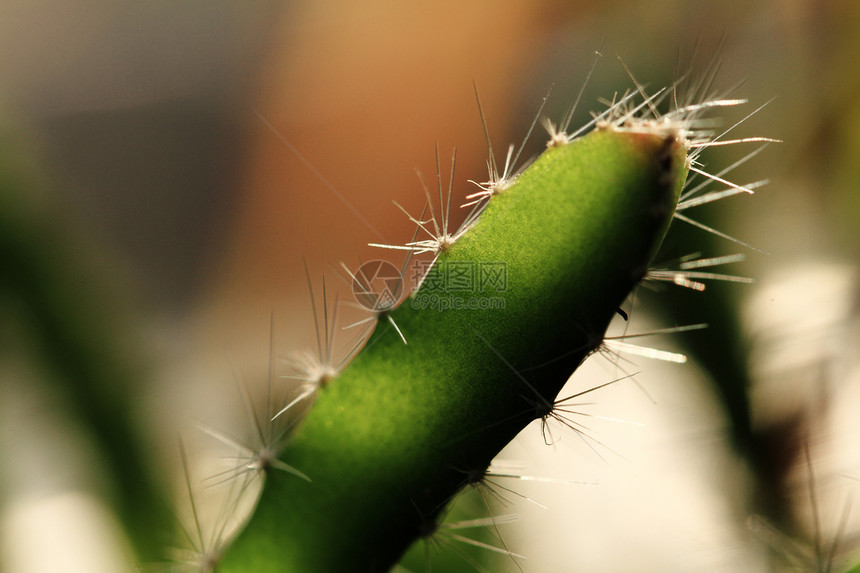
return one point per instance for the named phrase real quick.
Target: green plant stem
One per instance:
(405, 427)
(48, 282)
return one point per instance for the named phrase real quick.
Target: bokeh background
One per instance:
(167, 169)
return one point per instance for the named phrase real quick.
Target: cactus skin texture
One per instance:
(401, 430)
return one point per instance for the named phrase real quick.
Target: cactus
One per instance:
(513, 301)
(446, 380)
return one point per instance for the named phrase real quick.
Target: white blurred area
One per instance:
(67, 532)
(669, 495)
(803, 321)
(800, 320)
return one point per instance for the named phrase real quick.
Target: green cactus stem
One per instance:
(400, 431)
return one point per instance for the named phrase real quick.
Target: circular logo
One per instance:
(377, 285)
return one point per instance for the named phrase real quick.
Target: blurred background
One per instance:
(167, 169)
